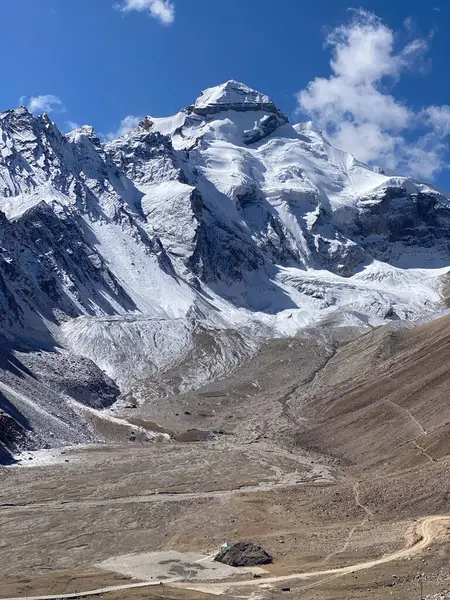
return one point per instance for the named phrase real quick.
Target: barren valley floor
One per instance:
(329, 451)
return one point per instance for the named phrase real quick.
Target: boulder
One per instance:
(244, 554)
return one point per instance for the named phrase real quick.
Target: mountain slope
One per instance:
(381, 401)
(223, 217)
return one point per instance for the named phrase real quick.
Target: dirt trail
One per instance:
(367, 515)
(357, 491)
(409, 414)
(284, 480)
(424, 530)
(423, 451)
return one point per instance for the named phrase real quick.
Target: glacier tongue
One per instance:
(222, 218)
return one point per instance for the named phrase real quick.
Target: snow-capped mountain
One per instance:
(222, 218)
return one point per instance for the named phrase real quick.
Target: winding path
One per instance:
(408, 413)
(424, 529)
(367, 516)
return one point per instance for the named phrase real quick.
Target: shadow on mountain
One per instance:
(13, 430)
(7, 407)
(259, 293)
(10, 362)
(6, 458)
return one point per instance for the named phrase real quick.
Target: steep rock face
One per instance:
(49, 272)
(407, 229)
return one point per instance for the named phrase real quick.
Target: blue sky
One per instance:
(94, 62)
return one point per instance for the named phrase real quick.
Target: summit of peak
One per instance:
(82, 135)
(232, 95)
(86, 130)
(21, 110)
(231, 92)
(16, 113)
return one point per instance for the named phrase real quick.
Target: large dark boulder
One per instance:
(244, 554)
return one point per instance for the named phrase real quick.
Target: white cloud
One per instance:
(357, 112)
(438, 117)
(163, 10)
(127, 124)
(44, 104)
(72, 125)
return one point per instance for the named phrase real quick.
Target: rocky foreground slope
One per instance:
(186, 242)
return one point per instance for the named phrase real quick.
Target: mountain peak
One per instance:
(232, 95)
(231, 92)
(84, 130)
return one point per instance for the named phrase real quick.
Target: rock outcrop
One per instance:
(244, 554)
